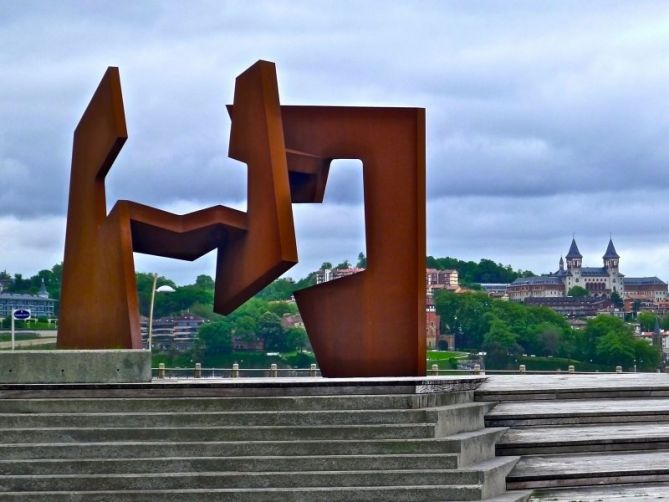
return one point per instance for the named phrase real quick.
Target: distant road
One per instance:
(40, 332)
(27, 343)
(45, 337)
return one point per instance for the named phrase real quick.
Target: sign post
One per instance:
(19, 315)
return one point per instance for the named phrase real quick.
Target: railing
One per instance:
(522, 369)
(162, 372)
(235, 372)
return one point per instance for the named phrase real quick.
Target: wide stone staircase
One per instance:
(590, 441)
(196, 443)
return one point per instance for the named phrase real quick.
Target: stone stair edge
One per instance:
(343, 494)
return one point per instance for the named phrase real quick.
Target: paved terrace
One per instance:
(576, 381)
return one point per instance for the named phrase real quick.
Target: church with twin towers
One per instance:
(598, 281)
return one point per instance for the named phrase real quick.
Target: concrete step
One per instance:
(205, 404)
(255, 433)
(471, 447)
(547, 471)
(474, 446)
(621, 493)
(466, 417)
(511, 496)
(240, 464)
(566, 412)
(418, 493)
(248, 387)
(529, 387)
(487, 477)
(220, 419)
(584, 438)
(290, 441)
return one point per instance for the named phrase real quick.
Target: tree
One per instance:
(473, 273)
(549, 339)
(326, 265)
(499, 342)
(646, 321)
(270, 330)
(204, 282)
(577, 292)
(296, 339)
(280, 289)
(616, 348)
(362, 260)
(464, 316)
(343, 265)
(609, 340)
(648, 357)
(306, 282)
(664, 324)
(213, 339)
(617, 300)
(281, 308)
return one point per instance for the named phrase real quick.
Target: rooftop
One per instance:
(542, 279)
(643, 281)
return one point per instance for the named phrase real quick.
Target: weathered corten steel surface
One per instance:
(99, 306)
(371, 323)
(368, 324)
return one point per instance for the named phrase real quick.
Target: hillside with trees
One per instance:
(472, 273)
(507, 330)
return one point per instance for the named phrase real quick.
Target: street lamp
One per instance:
(162, 289)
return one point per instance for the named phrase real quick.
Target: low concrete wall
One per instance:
(75, 366)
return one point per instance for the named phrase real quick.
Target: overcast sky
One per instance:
(544, 119)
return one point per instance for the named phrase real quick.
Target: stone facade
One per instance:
(598, 281)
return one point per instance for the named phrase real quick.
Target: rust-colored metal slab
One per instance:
(99, 306)
(371, 323)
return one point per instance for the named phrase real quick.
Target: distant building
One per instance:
(441, 279)
(247, 343)
(570, 306)
(543, 286)
(646, 288)
(330, 274)
(598, 281)
(495, 289)
(432, 330)
(172, 333)
(292, 321)
(40, 305)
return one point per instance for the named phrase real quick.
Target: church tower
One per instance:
(611, 258)
(611, 262)
(574, 261)
(574, 256)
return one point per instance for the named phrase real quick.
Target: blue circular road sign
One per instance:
(21, 314)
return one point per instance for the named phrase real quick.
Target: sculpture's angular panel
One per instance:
(99, 306)
(369, 324)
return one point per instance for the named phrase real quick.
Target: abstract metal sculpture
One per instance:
(369, 324)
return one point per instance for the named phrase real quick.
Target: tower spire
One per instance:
(610, 251)
(573, 250)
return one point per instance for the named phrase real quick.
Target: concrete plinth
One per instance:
(75, 366)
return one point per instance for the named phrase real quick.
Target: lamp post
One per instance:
(162, 289)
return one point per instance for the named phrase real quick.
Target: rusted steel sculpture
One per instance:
(369, 324)
(99, 306)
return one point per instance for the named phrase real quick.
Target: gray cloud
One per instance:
(544, 118)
